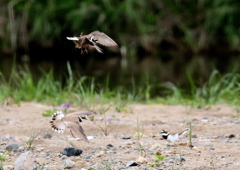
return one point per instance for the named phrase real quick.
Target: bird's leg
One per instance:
(72, 133)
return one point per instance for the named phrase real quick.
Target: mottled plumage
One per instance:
(59, 122)
(90, 41)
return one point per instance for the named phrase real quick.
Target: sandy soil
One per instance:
(213, 147)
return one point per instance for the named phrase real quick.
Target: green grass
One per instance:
(24, 86)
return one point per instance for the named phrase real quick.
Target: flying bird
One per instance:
(90, 41)
(173, 137)
(59, 122)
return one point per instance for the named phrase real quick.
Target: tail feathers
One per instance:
(72, 38)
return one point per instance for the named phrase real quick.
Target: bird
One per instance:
(90, 41)
(173, 137)
(59, 122)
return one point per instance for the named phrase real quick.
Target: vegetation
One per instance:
(22, 86)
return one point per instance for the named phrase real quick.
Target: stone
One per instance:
(90, 137)
(8, 167)
(132, 163)
(80, 164)
(11, 147)
(100, 154)
(47, 136)
(68, 163)
(109, 146)
(71, 151)
(142, 160)
(155, 146)
(24, 162)
(231, 136)
(126, 137)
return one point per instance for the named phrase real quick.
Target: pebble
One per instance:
(231, 136)
(8, 167)
(71, 151)
(132, 163)
(142, 160)
(24, 161)
(47, 136)
(11, 147)
(109, 146)
(100, 154)
(126, 137)
(68, 163)
(212, 148)
(80, 164)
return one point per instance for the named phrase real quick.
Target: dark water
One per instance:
(120, 71)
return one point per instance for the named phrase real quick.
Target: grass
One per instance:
(30, 141)
(22, 85)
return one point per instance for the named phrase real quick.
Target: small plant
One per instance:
(3, 157)
(70, 142)
(142, 151)
(65, 107)
(48, 113)
(30, 141)
(159, 159)
(103, 109)
(139, 130)
(190, 135)
(39, 167)
(122, 107)
(106, 128)
(107, 166)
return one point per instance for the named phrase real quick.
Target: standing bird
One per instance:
(72, 121)
(90, 41)
(173, 137)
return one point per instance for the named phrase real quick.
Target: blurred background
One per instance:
(172, 42)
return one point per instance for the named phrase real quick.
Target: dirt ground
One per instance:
(214, 145)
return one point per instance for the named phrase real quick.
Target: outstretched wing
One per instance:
(103, 39)
(83, 113)
(57, 124)
(77, 130)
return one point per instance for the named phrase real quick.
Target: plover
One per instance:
(89, 42)
(72, 121)
(173, 137)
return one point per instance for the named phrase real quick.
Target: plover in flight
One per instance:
(173, 137)
(59, 122)
(90, 41)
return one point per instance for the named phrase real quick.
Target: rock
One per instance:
(100, 154)
(199, 148)
(88, 157)
(181, 159)
(132, 163)
(47, 136)
(142, 160)
(80, 164)
(8, 167)
(126, 137)
(90, 137)
(71, 151)
(24, 162)
(11, 147)
(67, 163)
(109, 146)
(183, 144)
(155, 146)
(212, 148)
(231, 136)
